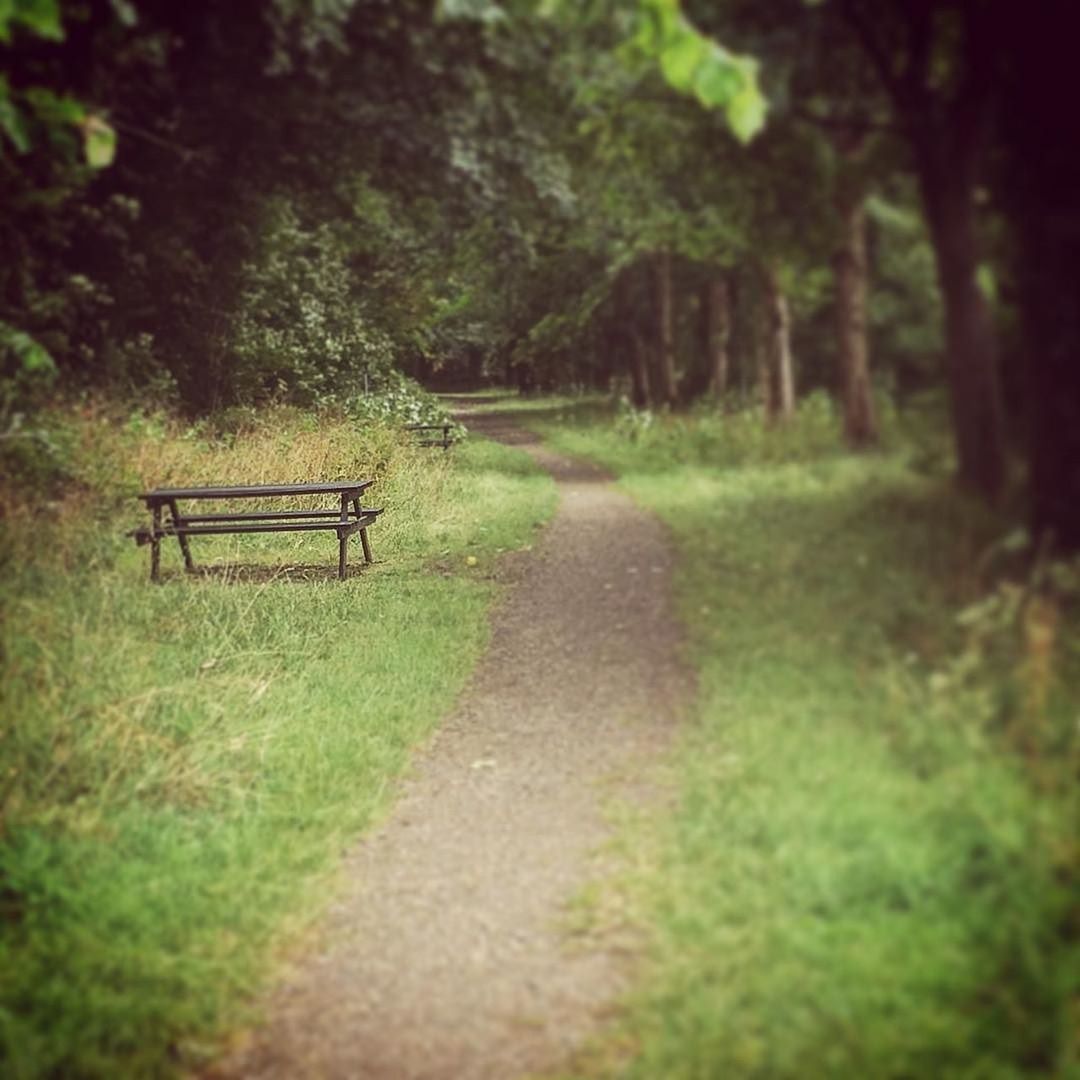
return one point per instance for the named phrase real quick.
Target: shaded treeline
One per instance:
(307, 195)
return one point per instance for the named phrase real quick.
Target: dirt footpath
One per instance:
(448, 958)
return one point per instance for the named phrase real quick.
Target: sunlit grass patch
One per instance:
(182, 765)
(526, 406)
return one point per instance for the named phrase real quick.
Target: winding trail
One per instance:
(447, 958)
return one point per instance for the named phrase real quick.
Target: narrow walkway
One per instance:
(446, 959)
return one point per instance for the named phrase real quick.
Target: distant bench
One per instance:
(444, 439)
(345, 519)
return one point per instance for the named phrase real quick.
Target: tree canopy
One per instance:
(210, 204)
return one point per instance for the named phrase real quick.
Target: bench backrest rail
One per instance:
(345, 489)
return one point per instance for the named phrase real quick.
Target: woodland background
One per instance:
(299, 200)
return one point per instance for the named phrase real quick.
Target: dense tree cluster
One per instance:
(307, 194)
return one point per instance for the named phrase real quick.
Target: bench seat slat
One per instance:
(224, 529)
(275, 515)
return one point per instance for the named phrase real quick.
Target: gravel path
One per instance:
(448, 956)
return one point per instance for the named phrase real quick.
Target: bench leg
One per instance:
(189, 562)
(155, 545)
(363, 533)
(343, 542)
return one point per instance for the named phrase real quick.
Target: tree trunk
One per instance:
(1052, 335)
(716, 300)
(664, 388)
(850, 278)
(947, 181)
(778, 374)
(1042, 182)
(639, 369)
(946, 132)
(627, 336)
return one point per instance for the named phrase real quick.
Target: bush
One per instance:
(397, 399)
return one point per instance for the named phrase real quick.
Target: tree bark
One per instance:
(778, 375)
(639, 370)
(627, 337)
(850, 278)
(947, 181)
(664, 387)
(945, 129)
(1042, 192)
(716, 300)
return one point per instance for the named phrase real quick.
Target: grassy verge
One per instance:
(181, 766)
(531, 407)
(872, 869)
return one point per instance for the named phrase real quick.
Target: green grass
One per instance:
(182, 766)
(871, 870)
(549, 406)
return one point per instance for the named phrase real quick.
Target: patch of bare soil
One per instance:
(448, 956)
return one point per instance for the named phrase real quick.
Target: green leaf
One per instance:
(125, 12)
(99, 142)
(693, 63)
(892, 216)
(484, 11)
(13, 124)
(746, 112)
(32, 357)
(53, 108)
(718, 79)
(40, 17)
(666, 13)
(680, 58)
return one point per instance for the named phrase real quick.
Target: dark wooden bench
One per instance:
(345, 519)
(445, 438)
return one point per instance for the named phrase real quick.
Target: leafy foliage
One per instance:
(694, 64)
(397, 399)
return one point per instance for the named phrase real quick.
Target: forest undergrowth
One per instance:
(872, 867)
(181, 766)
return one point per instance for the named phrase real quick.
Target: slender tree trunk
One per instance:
(779, 379)
(639, 370)
(716, 301)
(209, 390)
(424, 371)
(664, 389)
(628, 338)
(850, 278)
(947, 179)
